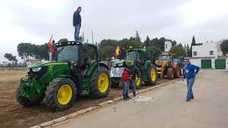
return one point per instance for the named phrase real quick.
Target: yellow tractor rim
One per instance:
(137, 81)
(64, 94)
(103, 82)
(153, 75)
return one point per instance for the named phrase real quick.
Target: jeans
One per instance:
(125, 89)
(77, 32)
(190, 83)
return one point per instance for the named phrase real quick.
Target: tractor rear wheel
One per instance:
(60, 94)
(152, 75)
(101, 83)
(178, 73)
(26, 101)
(170, 73)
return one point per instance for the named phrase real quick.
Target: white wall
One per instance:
(196, 62)
(204, 49)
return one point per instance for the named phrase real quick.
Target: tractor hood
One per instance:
(47, 65)
(117, 63)
(120, 63)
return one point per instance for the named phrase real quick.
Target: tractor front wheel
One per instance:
(101, 83)
(60, 94)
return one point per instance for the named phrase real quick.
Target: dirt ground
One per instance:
(13, 115)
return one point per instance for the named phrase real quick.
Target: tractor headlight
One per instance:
(37, 69)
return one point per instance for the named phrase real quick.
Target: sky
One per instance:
(34, 21)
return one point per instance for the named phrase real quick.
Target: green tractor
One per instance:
(77, 70)
(136, 60)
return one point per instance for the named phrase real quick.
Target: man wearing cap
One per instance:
(77, 23)
(190, 72)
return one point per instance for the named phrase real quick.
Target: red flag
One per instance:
(51, 45)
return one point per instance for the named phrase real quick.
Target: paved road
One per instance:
(165, 107)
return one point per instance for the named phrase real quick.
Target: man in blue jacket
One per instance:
(190, 72)
(77, 23)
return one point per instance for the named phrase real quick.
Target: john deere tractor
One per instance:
(167, 66)
(137, 61)
(76, 71)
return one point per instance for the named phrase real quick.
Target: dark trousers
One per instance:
(132, 86)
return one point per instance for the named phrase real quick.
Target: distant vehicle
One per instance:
(168, 66)
(137, 61)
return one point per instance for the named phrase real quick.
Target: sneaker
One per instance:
(128, 98)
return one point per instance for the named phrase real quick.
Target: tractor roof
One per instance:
(67, 43)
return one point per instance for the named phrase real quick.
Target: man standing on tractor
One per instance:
(190, 72)
(125, 82)
(77, 23)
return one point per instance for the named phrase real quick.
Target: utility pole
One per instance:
(92, 37)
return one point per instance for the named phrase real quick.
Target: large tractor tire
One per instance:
(60, 94)
(152, 75)
(25, 101)
(170, 73)
(138, 79)
(177, 73)
(101, 83)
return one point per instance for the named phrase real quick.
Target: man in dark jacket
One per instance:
(77, 23)
(190, 72)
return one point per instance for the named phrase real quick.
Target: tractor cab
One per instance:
(79, 56)
(136, 56)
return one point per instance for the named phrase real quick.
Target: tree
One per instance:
(192, 44)
(10, 57)
(147, 41)
(187, 50)
(224, 47)
(27, 49)
(137, 37)
(178, 51)
(193, 40)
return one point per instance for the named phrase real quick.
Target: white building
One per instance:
(168, 46)
(208, 49)
(208, 55)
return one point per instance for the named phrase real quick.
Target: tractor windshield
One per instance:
(164, 58)
(132, 56)
(67, 53)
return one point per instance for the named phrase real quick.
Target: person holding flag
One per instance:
(52, 48)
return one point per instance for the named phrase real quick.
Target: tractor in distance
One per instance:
(76, 70)
(136, 60)
(168, 66)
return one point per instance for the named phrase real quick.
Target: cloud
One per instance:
(35, 20)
